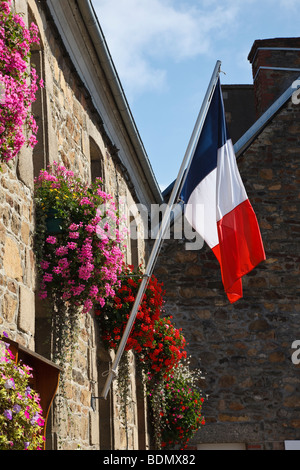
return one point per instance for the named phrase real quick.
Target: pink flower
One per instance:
(51, 240)
(40, 421)
(88, 304)
(85, 201)
(47, 277)
(109, 291)
(78, 290)
(74, 227)
(101, 301)
(18, 19)
(15, 113)
(85, 271)
(74, 235)
(102, 194)
(63, 263)
(90, 228)
(61, 251)
(94, 291)
(5, 7)
(72, 245)
(44, 264)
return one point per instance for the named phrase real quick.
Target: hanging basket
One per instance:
(54, 223)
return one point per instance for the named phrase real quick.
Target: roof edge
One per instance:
(93, 29)
(247, 138)
(273, 43)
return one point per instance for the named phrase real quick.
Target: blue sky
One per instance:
(165, 51)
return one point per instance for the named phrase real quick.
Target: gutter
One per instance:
(92, 24)
(273, 49)
(282, 69)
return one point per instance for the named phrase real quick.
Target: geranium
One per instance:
(77, 262)
(165, 352)
(21, 416)
(174, 396)
(114, 317)
(158, 344)
(176, 403)
(80, 264)
(18, 83)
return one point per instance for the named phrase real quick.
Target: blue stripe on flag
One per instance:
(213, 137)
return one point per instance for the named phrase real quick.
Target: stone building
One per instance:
(84, 123)
(245, 350)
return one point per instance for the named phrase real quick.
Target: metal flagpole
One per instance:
(164, 224)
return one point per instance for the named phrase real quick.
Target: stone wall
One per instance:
(244, 349)
(72, 133)
(17, 267)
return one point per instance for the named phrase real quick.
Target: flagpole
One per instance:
(201, 119)
(164, 224)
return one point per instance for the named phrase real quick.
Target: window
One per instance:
(97, 169)
(40, 151)
(134, 242)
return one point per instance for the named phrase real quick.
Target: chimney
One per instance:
(275, 66)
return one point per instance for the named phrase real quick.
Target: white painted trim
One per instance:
(280, 69)
(292, 445)
(259, 125)
(274, 49)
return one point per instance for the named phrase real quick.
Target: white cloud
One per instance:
(143, 34)
(290, 4)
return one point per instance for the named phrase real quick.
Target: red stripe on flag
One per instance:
(240, 247)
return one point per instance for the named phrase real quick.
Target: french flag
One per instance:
(227, 221)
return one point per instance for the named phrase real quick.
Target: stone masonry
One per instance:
(72, 133)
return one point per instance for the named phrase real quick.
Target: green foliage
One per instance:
(172, 388)
(21, 420)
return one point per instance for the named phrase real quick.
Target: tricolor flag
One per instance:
(229, 225)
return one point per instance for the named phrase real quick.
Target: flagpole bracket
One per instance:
(110, 372)
(93, 401)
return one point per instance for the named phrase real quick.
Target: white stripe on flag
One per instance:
(204, 196)
(230, 188)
